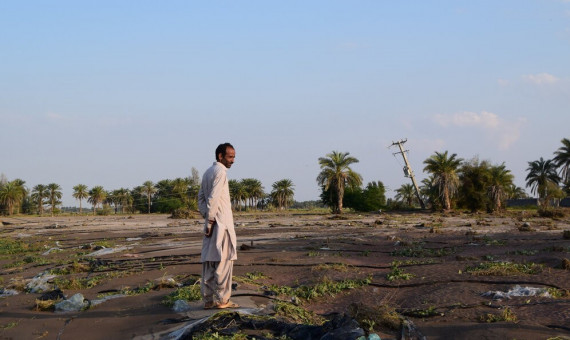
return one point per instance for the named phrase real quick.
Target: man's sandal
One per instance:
(228, 304)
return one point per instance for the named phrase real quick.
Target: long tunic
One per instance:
(215, 204)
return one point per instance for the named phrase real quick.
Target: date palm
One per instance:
(123, 197)
(336, 174)
(516, 192)
(148, 189)
(80, 193)
(54, 195)
(562, 160)
(96, 195)
(254, 190)
(541, 175)
(500, 181)
(406, 193)
(39, 193)
(237, 193)
(444, 170)
(282, 192)
(22, 185)
(11, 194)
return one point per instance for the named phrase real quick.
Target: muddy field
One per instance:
(438, 276)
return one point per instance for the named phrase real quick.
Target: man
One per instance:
(219, 244)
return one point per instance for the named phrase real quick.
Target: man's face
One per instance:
(228, 159)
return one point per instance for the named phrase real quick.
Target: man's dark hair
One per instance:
(221, 149)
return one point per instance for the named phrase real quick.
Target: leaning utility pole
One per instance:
(408, 169)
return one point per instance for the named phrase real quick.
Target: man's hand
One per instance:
(210, 228)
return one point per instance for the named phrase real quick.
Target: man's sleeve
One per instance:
(202, 206)
(215, 196)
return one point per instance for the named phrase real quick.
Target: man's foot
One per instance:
(228, 304)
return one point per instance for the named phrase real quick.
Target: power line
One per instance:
(408, 169)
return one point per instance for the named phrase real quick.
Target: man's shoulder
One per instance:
(215, 170)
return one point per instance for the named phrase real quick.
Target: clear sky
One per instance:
(115, 93)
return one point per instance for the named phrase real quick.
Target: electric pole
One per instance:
(408, 169)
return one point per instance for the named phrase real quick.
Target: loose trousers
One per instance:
(216, 283)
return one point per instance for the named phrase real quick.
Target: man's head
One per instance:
(225, 154)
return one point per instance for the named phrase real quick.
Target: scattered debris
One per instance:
(56, 226)
(7, 292)
(106, 251)
(39, 283)
(409, 331)
(181, 306)
(50, 250)
(517, 291)
(55, 294)
(245, 247)
(525, 227)
(74, 304)
(341, 326)
(130, 239)
(106, 298)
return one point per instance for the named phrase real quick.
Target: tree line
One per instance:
(452, 182)
(165, 196)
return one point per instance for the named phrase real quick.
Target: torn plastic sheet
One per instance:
(8, 292)
(39, 283)
(73, 304)
(50, 250)
(106, 251)
(184, 331)
(517, 291)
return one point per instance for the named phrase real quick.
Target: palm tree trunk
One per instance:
(340, 196)
(446, 200)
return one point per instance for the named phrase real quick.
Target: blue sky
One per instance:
(116, 93)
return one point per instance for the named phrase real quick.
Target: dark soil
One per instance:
(442, 298)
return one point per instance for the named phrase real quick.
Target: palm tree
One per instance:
(111, 199)
(516, 192)
(282, 192)
(54, 195)
(445, 178)
(562, 160)
(254, 190)
(39, 192)
(96, 195)
(80, 193)
(336, 174)
(500, 181)
(11, 194)
(180, 189)
(148, 189)
(541, 175)
(22, 185)
(237, 193)
(429, 192)
(406, 193)
(123, 197)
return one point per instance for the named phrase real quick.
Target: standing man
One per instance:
(219, 244)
